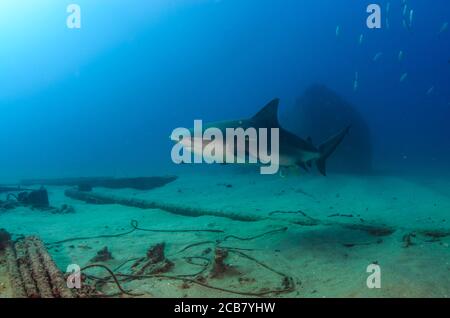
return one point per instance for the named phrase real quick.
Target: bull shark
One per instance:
(293, 150)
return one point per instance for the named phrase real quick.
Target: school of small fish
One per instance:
(408, 15)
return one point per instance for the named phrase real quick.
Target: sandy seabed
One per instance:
(324, 259)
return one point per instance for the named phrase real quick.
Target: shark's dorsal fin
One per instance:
(268, 115)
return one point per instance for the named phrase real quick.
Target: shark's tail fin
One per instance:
(328, 147)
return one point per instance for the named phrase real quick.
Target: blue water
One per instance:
(103, 99)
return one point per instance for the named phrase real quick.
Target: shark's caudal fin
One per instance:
(327, 148)
(268, 115)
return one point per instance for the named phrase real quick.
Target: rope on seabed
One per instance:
(287, 280)
(89, 237)
(184, 277)
(113, 276)
(134, 224)
(256, 236)
(235, 237)
(195, 244)
(135, 227)
(189, 280)
(188, 260)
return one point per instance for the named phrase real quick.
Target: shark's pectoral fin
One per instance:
(302, 165)
(321, 166)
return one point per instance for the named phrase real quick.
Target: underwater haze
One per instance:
(102, 100)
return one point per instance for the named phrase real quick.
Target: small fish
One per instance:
(361, 37)
(411, 15)
(430, 90)
(403, 77)
(377, 56)
(400, 56)
(355, 85)
(387, 23)
(355, 82)
(405, 9)
(444, 27)
(405, 25)
(338, 30)
(388, 7)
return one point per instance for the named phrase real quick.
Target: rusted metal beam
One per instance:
(98, 198)
(33, 274)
